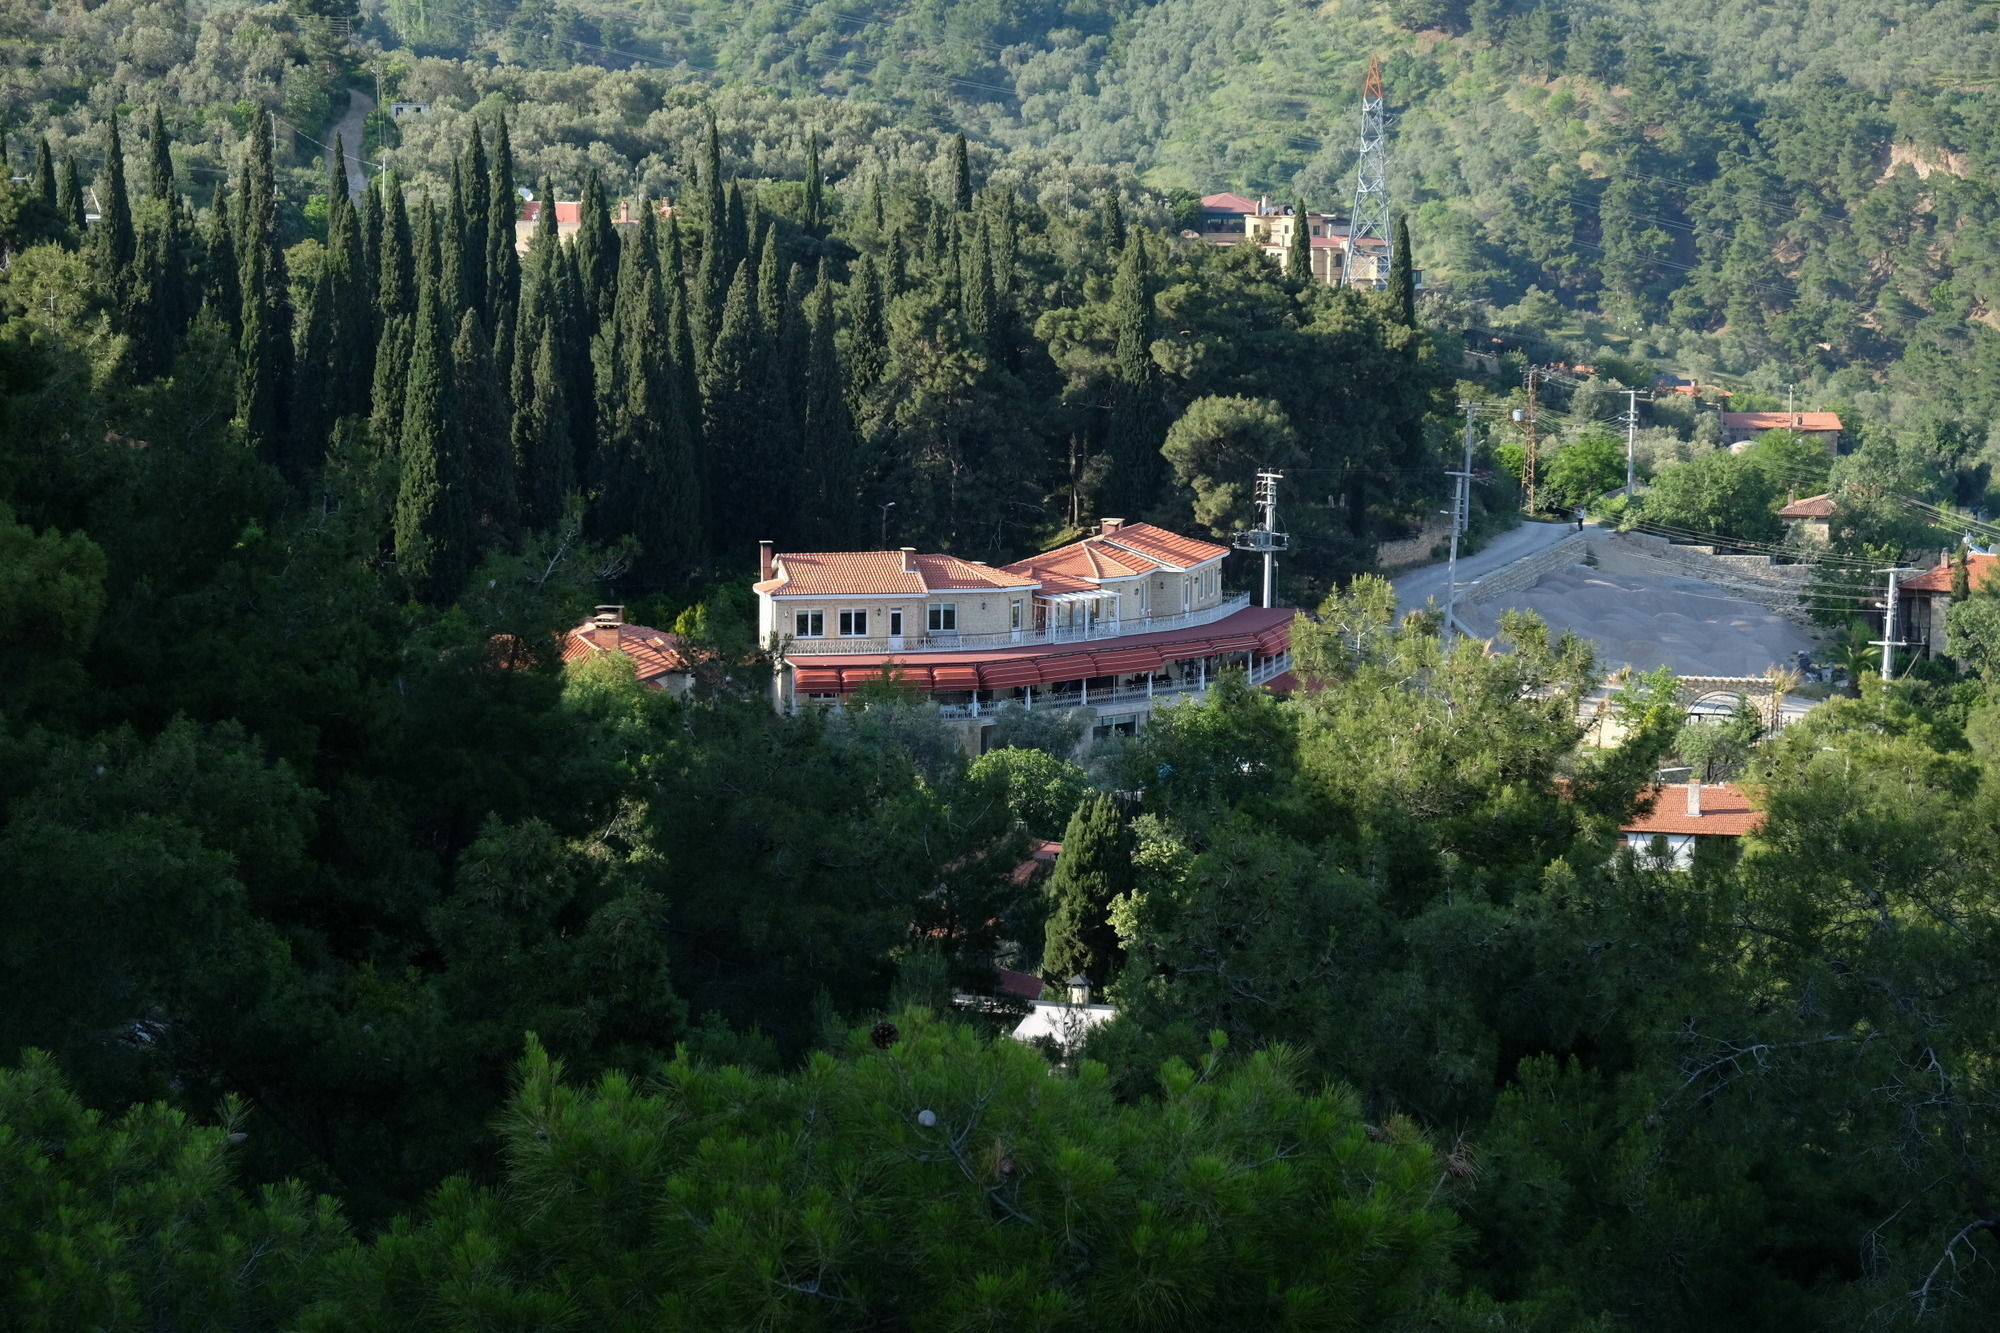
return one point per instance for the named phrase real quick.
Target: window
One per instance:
(1013, 615)
(944, 616)
(896, 621)
(853, 624)
(810, 624)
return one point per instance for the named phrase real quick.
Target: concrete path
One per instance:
(348, 127)
(1417, 586)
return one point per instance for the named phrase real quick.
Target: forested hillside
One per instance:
(363, 966)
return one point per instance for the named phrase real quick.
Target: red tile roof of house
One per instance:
(1116, 553)
(654, 653)
(1725, 812)
(1228, 203)
(1041, 853)
(569, 212)
(1980, 569)
(881, 574)
(1813, 506)
(1762, 421)
(1022, 985)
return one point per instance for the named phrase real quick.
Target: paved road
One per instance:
(348, 127)
(1417, 586)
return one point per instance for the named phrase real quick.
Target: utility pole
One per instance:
(1631, 432)
(1461, 509)
(1889, 643)
(1265, 537)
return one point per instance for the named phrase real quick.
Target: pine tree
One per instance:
(544, 461)
(159, 161)
(69, 199)
(1134, 442)
(45, 175)
(959, 177)
(434, 518)
(815, 202)
(1403, 277)
(1298, 252)
(264, 384)
(487, 433)
(1095, 868)
(595, 252)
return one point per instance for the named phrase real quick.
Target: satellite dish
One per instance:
(1742, 446)
(527, 195)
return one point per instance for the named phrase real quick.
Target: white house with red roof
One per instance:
(658, 657)
(1231, 219)
(1924, 600)
(1822, 426)
(1116, 622)
(1710, 812)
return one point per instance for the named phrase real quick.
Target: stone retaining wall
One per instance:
(1756, 577)
(1527, 571)
(1393, 557)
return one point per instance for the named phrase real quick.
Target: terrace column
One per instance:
(1149, 687)
(975, 703)
(1086, 692)
(1031, 696)
(1201, 670)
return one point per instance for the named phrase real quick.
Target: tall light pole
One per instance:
(1460, 511)
(885, 522)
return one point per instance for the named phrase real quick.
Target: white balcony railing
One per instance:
(1265, 668)
(934, 642)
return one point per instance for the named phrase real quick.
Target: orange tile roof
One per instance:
(653, 652)
(1135, 548)
(1757, 421)
(1813, 506)
(880, 574)
(1725, 812)
(1041, 853)
(1228, 203)
(1980, 569)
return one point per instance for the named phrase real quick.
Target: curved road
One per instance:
(348, 127)
(1418, 586)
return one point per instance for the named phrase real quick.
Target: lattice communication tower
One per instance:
(1370, 216)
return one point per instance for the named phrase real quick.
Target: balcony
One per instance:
(1125, 696)
(935, 642)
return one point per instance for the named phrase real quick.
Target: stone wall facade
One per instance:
(1394, 557)
(1527, 571)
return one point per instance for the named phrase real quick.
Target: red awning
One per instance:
(1233, 643)
(816, 680)
(1011, 674)
(1275, 640)
(955, 677)
(1127, 661)
(1070, 666)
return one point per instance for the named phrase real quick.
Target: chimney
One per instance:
(1263, 203)
(908, 551)
(766, 560)
(624, 210)
(1694, 798)
(1107, 526)
(605, 626)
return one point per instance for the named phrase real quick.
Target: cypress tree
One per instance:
(736, 233)
(878, 215)
(487, 432)
(456, 264)
(1111, 221)
(868, 330)
(828, 490)
(815, 204)
(264, 386)
(434, 522)
(1402, 276)
(1095, 868)
(536, 286)
(1298, 252)
(371, 244)
(311, 410)
(595, 252)
(770, 287)
(475, 240)
(221, 275)
(937, 239)
(725, 384)
(979, 298)
(544, 460)
(503, 265)
(396, 271)
(1004, 230)
(687, 457)
(890, 275)
(389, 386)
(579, 383)
(159, 161)
(1961, 576)
(336, 179)
(709, 182)
(45, 174)
(638, 491)
(959, 177)
(69, 198)
(113, 241)
(350, 314)
(706, 293)
(1134, 444)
